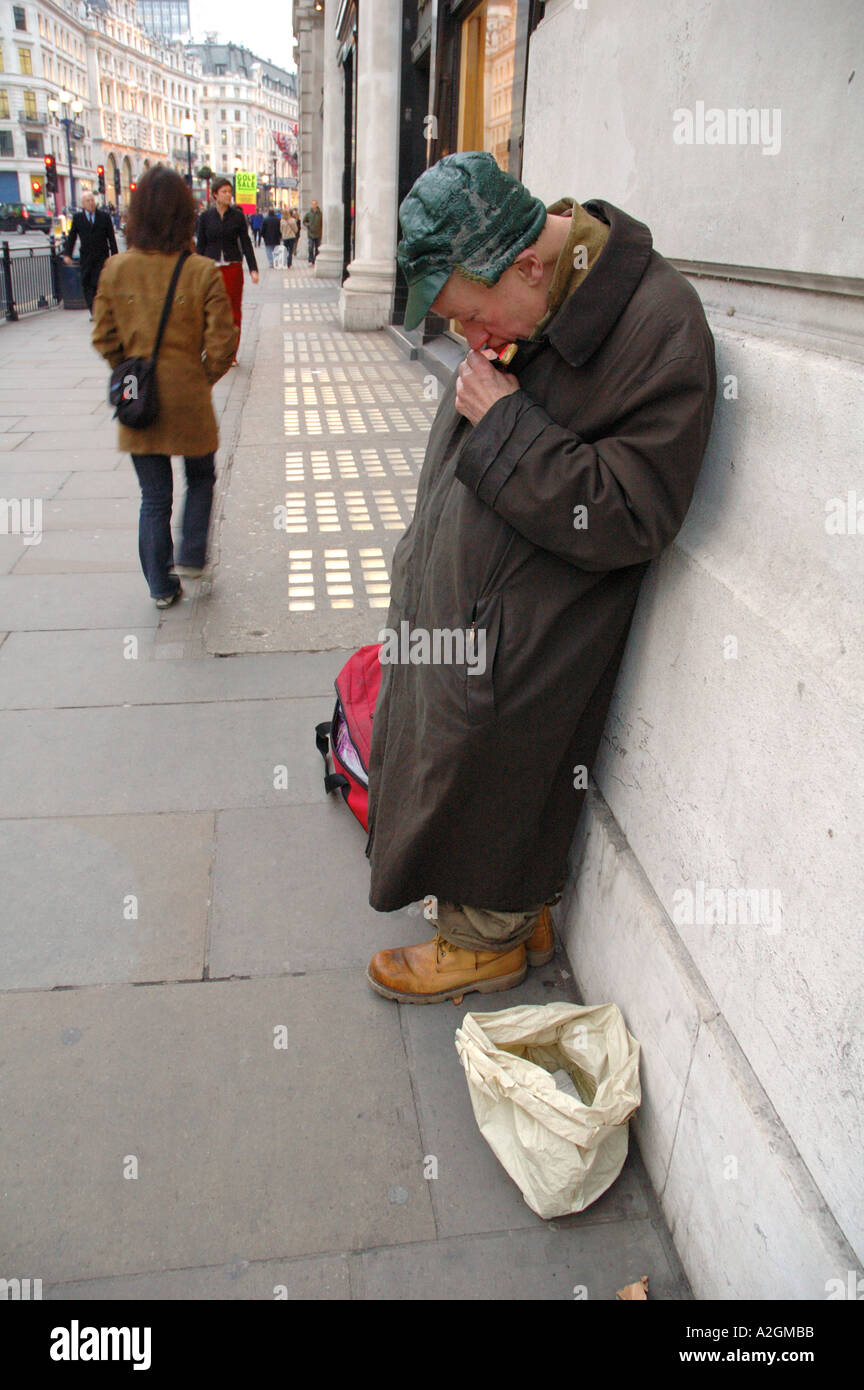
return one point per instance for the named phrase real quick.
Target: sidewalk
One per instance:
(171, 903)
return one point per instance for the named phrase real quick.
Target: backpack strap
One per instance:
(169, 300)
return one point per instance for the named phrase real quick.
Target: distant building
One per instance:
(165, 19)
(248, 114)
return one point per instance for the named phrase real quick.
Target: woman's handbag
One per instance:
(132, 388)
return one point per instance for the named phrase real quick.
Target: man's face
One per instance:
(494, 316)
(224, 196)
(88, 202)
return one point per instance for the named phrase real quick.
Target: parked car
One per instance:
(24, 217)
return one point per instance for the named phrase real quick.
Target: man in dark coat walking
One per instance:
(271, 234)
(96, 232)
(545, 492)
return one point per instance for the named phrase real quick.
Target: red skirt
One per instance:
(232, 276)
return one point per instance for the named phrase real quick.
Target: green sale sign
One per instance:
(246, 188)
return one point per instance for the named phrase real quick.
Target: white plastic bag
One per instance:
(280, 257)
(562, 1153)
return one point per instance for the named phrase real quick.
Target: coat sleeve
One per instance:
(71, 238)
(106, 335)
(220, 332)
(245, 243)
(617, 501)
(112, 240)
(201, 236)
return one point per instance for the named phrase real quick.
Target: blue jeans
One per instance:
(269, 249)
(155, 546)
(288, 243)
(314, 243)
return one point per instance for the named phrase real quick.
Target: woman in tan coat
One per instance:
(197, 349)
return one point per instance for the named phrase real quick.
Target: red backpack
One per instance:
(350, 730)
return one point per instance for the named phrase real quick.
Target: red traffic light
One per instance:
(100, 169)
(36, 186)
(132, 187)
(49, 161)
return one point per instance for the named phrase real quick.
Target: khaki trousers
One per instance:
(480, 929)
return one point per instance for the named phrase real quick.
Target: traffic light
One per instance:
(37, 188)
(50, 174)
(133, 185)
(100, 174)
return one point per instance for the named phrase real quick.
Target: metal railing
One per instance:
(29, 281)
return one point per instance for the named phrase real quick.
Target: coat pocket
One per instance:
(481, 648)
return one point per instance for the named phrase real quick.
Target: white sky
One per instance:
(265, 28)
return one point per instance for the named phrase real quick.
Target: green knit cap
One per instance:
(466, 213)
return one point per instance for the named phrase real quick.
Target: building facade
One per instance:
(143, 90)
(132, 92)
(43, 52)
(249, 115)
(716, 872)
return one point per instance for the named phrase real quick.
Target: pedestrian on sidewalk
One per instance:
(545, 492)
(197, 348)
(289, 229)
(223, 235)
(271, 234)
(313, 222)
(256, 221)
(98, 242)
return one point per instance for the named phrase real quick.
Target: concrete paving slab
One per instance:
(37, 602)
(305, 869)
(9, 442)
(158, 758)
(27, 484)
(244, 1150)
(11, 550)
(73, 422)
(48, 670)
(99, 440)
(91, 931)
(49, 454)
(590, 1263)
(318, 1277)
(50, 407)
(111, 551)
(86, 484)
(93, 513)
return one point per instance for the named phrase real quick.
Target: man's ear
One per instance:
(529, 266)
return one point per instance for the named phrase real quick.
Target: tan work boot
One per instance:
(540, 946)
(436, 970)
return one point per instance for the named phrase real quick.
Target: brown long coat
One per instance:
(126, 312)
(474, 788)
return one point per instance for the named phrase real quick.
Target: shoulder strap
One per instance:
(169, 300)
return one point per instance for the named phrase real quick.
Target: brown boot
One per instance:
(540, 946)
(436, 970)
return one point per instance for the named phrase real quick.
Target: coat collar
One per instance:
(590, 313)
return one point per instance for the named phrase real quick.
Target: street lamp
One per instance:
(274, 157)
(66, 99)
(187, 128)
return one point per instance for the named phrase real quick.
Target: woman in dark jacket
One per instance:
(198, 345)
(223, 235)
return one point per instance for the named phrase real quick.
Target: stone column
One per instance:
(331, 250)
(366, 299)
(308, 26)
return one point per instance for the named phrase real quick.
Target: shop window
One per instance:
(486, 105)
